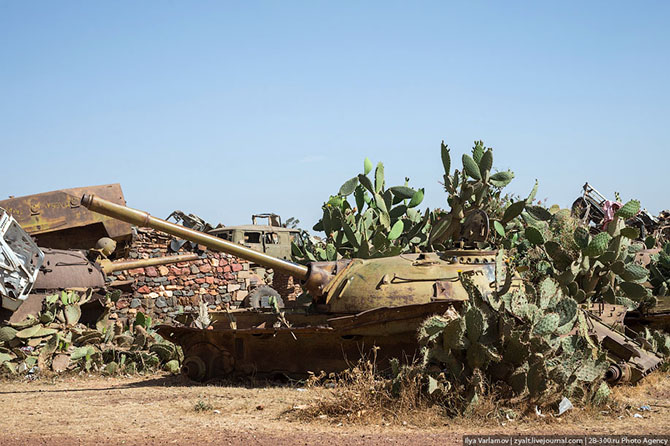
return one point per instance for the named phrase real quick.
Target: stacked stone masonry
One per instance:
(163, 292)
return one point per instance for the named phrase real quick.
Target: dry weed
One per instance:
(362, 395)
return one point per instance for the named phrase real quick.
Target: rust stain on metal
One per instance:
(57, 219)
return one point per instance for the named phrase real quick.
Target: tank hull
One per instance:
(320, 343)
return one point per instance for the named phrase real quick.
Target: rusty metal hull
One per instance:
(329, 345)
(58, 220)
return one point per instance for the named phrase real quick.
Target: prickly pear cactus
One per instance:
(56, 341)
(475, 188)
(530, 347)
(659, 271)
(380, 222)
(597, 268)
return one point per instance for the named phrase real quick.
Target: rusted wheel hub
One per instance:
(194, 368)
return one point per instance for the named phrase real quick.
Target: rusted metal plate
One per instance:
(609, 314)
(68, 269)
(384, 315)
(57, 219)
(643, 257)
(658, 317)
(32, 306)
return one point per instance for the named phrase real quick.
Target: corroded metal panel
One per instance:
(58, 220)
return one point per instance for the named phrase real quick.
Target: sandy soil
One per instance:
(161, 411)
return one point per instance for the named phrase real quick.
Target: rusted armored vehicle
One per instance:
(57, 220)
(356, 305)
(28, 273)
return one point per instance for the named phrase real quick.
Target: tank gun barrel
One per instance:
(143, 219)
(122, 265)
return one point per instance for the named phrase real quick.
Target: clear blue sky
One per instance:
(227, 109)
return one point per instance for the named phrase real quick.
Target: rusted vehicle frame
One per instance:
(58, 220)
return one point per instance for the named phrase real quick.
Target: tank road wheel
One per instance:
(194, 368)
(206, 361)
(260, 298)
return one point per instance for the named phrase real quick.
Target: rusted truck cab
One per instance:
(272, 238)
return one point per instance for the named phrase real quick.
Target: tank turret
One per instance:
(74, 269)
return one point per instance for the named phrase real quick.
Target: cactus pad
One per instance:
(501, 179)
(29, 332)
(474, 324)
(598, 245)
(7, 334)
(633, 290)
(534, 236)
(516, 351)
(590, 370)
(453, 334)
(548, 289)
(477, 356)
(471, 168)
(547, 325)
(634, 272)
(566, 310)
(602, 394)
(628, 210)
(562, 259)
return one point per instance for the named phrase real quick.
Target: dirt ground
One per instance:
(161, 410)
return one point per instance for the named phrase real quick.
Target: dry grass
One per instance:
(361, 396)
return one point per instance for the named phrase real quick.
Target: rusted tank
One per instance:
(73, 269)
(356, 305)
(57, 220)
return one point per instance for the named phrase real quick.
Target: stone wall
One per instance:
(165, 291)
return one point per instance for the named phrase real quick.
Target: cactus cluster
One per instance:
(55, 340)
(659, 271)
(532, 345)
(595, 268)
(382, 221)
(473, 189)
(655, 341)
